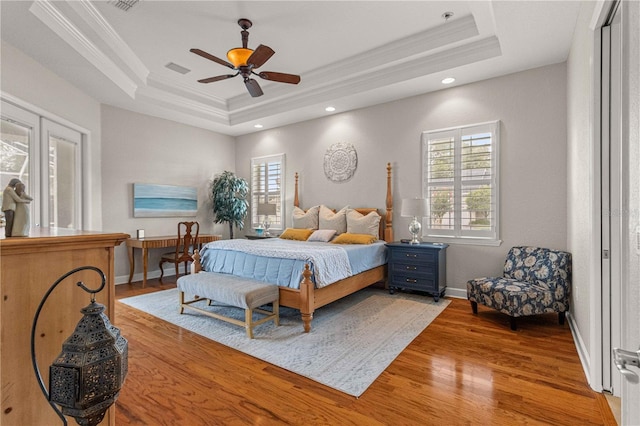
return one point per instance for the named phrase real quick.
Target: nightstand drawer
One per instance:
(408, 255)
(418, 269)
(424, 281)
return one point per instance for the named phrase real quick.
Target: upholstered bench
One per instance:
(233, 291)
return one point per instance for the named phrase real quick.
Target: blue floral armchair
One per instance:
(535, 281)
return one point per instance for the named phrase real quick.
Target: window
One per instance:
(267, 187)
(460, 182)
(47, 157)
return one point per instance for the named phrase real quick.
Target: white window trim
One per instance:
(253, 207)
(493, 240)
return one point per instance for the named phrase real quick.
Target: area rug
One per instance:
(352, 341)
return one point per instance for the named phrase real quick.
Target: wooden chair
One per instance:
(186, 242)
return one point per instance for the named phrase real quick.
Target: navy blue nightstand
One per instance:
(421, 267)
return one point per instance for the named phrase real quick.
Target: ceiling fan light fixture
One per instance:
(239, 56)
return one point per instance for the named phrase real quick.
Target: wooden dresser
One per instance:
(29, 266)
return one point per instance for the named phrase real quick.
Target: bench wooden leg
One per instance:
(181, 302)
(276, 312)
(248, 322)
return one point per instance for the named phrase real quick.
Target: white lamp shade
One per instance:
(414, 207)
(266, 209)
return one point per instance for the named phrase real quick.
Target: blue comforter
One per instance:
(286, 271)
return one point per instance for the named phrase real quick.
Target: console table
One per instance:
(421, 267)
(157, 242)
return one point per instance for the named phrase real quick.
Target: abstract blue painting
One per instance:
(164, 200)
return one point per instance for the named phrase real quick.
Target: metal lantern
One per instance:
(86, 378)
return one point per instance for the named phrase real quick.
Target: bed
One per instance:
(307, 296)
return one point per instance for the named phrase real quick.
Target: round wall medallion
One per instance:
(340, 162)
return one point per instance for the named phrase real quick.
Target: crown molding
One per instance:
(180, 103)
(59, 24)
(105, 31)
(187, 90)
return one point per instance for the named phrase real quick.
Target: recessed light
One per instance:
(330, 109)
(258, 126)
(448, 80)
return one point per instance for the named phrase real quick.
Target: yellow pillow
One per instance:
(347, 238)
(296, 234)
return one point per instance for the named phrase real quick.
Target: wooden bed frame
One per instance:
(308, 298)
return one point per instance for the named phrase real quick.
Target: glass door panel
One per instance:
(63, 185)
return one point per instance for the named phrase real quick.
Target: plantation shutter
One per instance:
(267, 186)
(460, 182)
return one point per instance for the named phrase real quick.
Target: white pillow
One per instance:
(358, 223)
(308, 220)
(324, 235)
(330, 220)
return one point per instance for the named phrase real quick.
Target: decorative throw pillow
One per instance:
(306, 220)
(347, 238)
(296, 234)
(330, 220)
(324, 235)
(358, 223)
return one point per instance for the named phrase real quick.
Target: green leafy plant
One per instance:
(229, 199)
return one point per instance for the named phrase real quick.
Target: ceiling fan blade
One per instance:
(253, 87)
(217, 78)
(211, 57)
(280, 77)
(260, 56)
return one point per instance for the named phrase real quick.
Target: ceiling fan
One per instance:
(245, 61)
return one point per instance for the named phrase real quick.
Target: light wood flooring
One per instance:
(461, 370)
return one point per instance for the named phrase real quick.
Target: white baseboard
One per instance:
(458, 293)
(124, 279)
(583, 353)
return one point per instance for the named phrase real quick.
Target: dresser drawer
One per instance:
(425, 282)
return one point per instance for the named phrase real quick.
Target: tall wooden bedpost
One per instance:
(388, 220)
(296, 201)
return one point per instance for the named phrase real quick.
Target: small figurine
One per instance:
(21, 218)
(10, 199)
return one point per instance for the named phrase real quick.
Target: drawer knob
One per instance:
(410, 280)
(411, 255)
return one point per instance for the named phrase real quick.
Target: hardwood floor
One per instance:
(461, 370)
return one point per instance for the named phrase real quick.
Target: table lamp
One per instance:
(416, 208)
(266, 210)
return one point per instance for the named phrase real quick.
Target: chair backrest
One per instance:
(541, 266)
(187, 237)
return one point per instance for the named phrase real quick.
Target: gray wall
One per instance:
(531, 106)
(138, 148)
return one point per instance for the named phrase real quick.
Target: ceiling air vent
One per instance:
(177, 68)
(123, 4)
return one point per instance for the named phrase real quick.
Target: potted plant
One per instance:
(229, 199)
